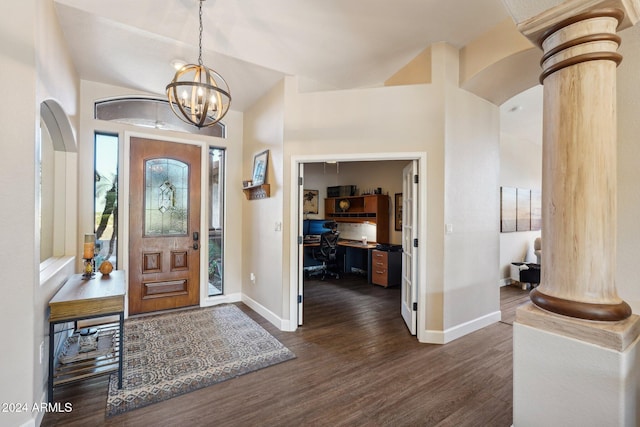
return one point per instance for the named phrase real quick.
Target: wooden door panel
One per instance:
(164, 217)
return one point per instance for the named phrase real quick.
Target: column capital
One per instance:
(534, 20)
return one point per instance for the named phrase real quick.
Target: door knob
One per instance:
(195, 246)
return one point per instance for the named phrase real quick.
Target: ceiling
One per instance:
(253, 44)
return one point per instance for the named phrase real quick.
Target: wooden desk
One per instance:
(354, 250)
(357, 254)
(81, 299)
(357, 244)
(348, 243)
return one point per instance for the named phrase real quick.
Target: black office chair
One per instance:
(326, 252)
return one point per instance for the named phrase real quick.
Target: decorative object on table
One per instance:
(398, 212)
(344, 205)
(310, 202)
(170, 354)
(88, 340)
(260, 164)
(88, 252)
(201, 96)
(106, 267)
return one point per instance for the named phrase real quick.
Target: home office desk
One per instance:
(82, 299)
(357, 255)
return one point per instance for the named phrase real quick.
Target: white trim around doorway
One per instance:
(296, 160)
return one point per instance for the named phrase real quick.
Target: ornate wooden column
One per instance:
(568, 369)
(579, 167)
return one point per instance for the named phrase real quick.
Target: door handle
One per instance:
(195, 246)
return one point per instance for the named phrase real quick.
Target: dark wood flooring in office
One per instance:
(356, 365)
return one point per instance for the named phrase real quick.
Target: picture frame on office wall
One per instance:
(398, 212)
(310, 202)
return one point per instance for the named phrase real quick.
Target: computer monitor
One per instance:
(313, 226)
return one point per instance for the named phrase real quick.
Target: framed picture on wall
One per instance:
(523, 209)
(508, 209)
(310, 202)
(398, 212)
(260, 164)
(536, 210)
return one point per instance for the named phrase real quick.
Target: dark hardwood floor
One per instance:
(356, 365)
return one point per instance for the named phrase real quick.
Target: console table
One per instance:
(81, 299)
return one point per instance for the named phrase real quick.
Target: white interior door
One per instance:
(409, 245)
(300, 240)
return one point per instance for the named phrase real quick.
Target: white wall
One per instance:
(36, 62)
(471, 205)
(262, 244)
(471, 209)
(18, 277)
(520, 167)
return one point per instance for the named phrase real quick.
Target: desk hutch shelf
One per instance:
(257, 192)
(372, 208)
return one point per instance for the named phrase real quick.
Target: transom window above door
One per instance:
(150, 113)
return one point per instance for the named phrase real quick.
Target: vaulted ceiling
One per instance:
(339, 44)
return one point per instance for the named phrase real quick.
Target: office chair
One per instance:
(326, 252)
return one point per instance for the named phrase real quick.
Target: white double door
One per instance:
(409, 282)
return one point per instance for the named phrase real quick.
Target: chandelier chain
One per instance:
(200, 36)
(197, 94)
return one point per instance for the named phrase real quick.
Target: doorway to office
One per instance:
(370, 173)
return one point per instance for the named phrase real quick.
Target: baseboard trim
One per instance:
(458, 331)
(506, 281)
(274, 319)
(38, 414)
(221, 299)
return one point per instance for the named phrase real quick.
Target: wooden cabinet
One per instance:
(373, 208)
(386, 268)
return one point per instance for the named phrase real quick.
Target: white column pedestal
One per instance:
(571, 372)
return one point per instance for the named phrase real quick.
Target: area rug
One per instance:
(171, 354)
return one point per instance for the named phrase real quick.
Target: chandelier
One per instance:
(197, 94)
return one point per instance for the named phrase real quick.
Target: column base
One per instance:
(581, 310)
(571, 372)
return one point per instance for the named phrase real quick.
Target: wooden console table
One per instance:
(82, 299)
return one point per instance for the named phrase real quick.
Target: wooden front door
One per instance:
(164, 225)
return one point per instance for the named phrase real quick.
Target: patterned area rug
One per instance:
(170, 354)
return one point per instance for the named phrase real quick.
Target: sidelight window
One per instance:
(216, 220)
(106, 197)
